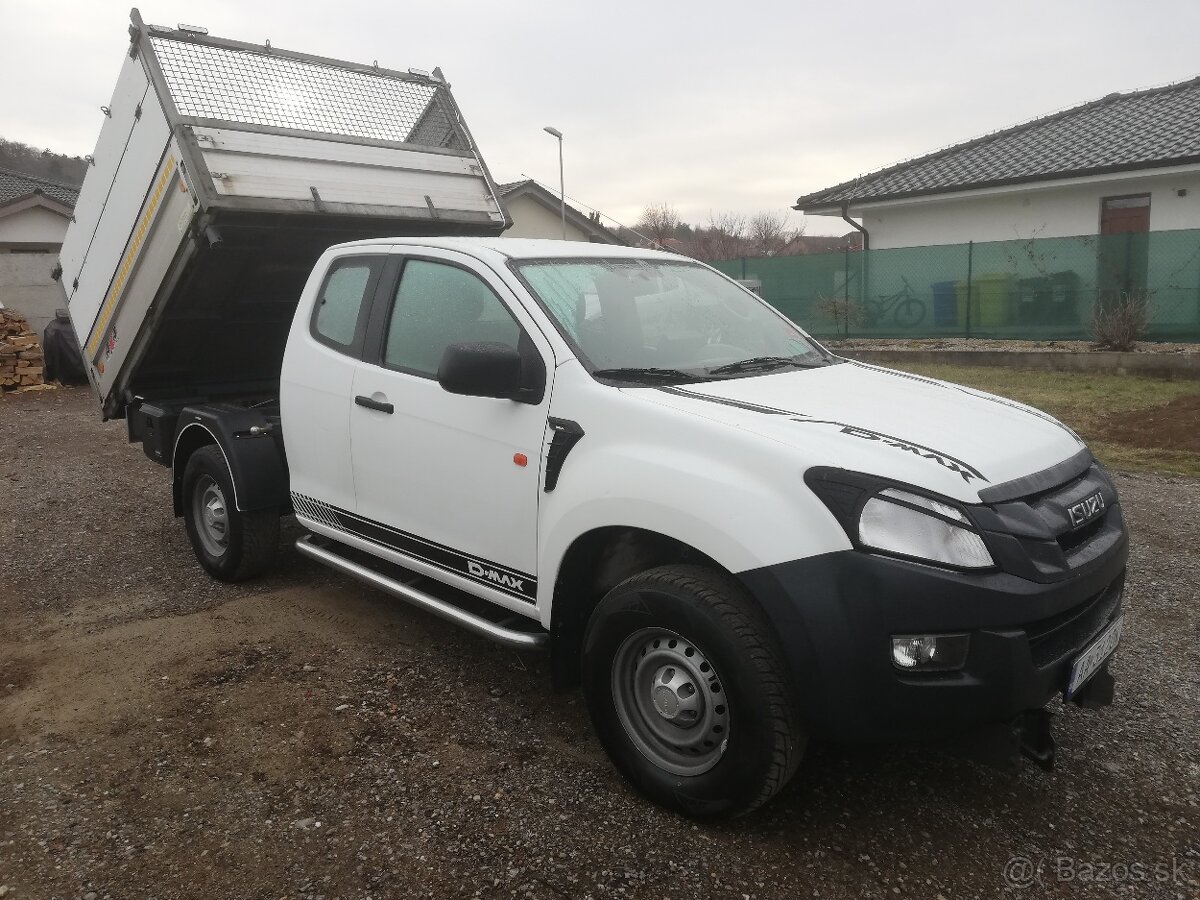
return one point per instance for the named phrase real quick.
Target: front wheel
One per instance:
(229, 544)
(688, 691)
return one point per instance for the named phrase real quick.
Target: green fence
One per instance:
(1036, 289)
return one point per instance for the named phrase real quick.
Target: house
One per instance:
(1030, 231)
(536, 213)
(34, 214)
(1125, 163)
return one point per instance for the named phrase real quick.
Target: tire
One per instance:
(730, 744)
(230, 545)
(910, 313)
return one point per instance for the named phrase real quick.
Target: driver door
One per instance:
(450, 482)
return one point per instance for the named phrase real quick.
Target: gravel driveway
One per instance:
(166, 736)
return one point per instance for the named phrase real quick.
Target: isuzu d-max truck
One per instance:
(735, 540)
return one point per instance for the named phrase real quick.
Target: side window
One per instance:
(437, 305)
(339, 318)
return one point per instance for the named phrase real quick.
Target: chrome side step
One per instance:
(510, 637)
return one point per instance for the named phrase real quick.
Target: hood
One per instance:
(933, 434)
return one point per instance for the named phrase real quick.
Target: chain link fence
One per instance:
(1035, 289)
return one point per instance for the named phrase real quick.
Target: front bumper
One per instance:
(836, 614)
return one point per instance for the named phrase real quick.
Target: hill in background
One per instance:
(18, 157)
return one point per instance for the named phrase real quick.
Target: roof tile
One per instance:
(1142, 129)
(15, 185)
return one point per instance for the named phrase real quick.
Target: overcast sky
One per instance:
(707, 106)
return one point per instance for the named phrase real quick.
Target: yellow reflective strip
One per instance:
(127, 260)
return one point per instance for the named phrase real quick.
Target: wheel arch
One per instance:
(188, 440)
(594, 563)
(254, 459)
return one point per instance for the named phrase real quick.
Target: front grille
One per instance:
(1032, 535)
(1073, 540)
(1052, 639)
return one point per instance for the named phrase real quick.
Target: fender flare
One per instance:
(257, 465)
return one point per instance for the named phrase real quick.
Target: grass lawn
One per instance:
(1121, 417)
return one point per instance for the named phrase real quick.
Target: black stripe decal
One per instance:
(725, 401)
(498, 577)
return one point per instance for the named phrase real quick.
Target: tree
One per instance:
(19, 157)
(659, 222)
(769, 233)
(723, 238)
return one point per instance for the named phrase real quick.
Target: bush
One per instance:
(843, 311)
(1118, 323)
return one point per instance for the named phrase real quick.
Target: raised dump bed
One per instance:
(222, 171)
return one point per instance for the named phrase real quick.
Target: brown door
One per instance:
(1121, 215)
(1124, 245)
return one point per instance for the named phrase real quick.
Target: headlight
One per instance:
(896, 521)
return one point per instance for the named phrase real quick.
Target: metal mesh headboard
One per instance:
(210, 82)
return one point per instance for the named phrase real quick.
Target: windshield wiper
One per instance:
(647, 374)
(761, 364)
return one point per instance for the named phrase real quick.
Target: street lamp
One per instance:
(562, 191)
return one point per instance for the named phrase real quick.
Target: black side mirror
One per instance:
(481, 370)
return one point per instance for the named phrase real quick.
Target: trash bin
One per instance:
(992, 300)
(1064, 288)
(945, 302)
(1033, 300)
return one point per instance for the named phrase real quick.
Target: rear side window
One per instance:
(340, 317)
(438, 305)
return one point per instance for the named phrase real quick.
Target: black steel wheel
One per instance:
(229, 544)
(688, 691)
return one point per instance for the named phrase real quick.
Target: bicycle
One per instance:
(907, 308)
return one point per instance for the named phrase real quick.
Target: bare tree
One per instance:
(724, 237)
(769, 233)
(658, 222)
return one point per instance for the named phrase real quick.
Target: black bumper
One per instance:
(836, 614)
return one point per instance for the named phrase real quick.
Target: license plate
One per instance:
(1091, 659)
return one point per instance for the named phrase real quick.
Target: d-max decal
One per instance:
(966, 470)
(501, 578)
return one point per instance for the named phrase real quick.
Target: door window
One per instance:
(339, 319)
(437, 305)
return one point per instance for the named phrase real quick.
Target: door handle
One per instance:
(380, 405)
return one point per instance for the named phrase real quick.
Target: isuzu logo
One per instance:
(1086, 509)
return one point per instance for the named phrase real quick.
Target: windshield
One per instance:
(642, 319)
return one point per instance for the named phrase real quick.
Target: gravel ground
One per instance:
(166, 736)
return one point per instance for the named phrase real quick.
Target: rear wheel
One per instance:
(688, 691)
(230, 545)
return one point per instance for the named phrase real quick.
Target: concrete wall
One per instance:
(532, 220)
(26, 286)
(1027, 211)
(35, 225)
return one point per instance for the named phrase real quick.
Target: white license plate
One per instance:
(1091, 659)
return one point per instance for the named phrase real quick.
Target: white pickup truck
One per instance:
(734, 539)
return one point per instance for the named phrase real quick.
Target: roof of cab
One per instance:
(518, 248)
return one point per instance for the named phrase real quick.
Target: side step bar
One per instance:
(509, 637)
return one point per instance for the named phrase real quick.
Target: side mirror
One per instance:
(481, 370)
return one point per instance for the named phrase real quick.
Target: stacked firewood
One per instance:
(21, 360)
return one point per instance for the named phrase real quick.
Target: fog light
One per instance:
(929, 652)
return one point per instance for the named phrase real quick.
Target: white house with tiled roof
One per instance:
(34, 214)
(1125, 163)
(536, 213)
